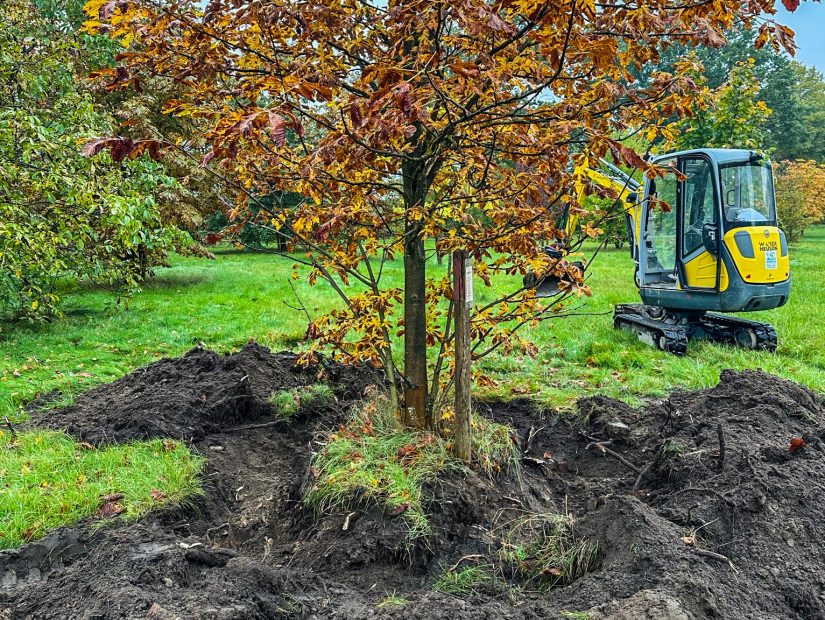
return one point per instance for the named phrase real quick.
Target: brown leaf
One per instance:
(784, 36)
(798, 444)
(278, 126)
(110, 505)
(157, 495)
(355, 115)
(403, 98)
(398, 511)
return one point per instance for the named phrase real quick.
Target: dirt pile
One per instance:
(196, 395)
(688, 525)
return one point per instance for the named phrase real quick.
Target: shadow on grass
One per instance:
(174, 280)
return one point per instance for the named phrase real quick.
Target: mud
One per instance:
(689, 525)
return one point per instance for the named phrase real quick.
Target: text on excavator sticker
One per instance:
(770, 249)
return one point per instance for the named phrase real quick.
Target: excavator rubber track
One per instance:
(658, 333)
(737, 331)
(671, 332)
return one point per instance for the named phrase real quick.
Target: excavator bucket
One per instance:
(547, 286)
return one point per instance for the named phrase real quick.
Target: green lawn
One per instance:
(238, 296)
(47, 480)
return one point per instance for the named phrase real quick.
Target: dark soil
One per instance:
(728, 528)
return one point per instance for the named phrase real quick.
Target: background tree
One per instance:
(790, 89)
(63, 214)
(800, 196)
(732, 116)
(451, 123)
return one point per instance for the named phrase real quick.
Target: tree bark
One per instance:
(415, 329)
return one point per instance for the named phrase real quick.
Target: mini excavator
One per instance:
(705, 241)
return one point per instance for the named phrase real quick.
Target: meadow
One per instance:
(238, 296)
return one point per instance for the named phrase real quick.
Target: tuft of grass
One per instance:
(373, 460)
(392, 600)
(288, 403)
(465, 581)
(493, 447)
(671, 448)
(544, 550)
(49, 480)
(494, 450)
(575, 615)
(317, 395)
(284, 403)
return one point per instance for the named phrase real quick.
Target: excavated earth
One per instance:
(698, 504)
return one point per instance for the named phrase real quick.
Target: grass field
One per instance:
(238, 296)
(47, 479)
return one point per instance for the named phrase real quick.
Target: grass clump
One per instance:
(544, 550)
(465, 581)
(493, 448)
(392, 600)
(373, 460)
(288, 403)
(48, 480)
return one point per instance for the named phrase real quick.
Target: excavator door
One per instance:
(680, 217)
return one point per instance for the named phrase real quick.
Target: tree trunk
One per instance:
(415, 329)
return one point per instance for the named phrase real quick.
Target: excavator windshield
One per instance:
(747, 194)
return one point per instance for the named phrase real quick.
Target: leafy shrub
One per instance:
(800, 187)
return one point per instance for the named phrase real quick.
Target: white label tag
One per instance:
(468, 281)
(771, 261)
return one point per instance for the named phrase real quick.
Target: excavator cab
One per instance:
(707, 242)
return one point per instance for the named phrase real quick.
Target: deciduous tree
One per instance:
(434, 122)
(63, 214)
(800, 196)
(732, 116)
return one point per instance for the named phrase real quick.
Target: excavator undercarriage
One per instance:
(671, 330)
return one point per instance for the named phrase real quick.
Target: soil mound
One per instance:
(196, 395)
(700, 505)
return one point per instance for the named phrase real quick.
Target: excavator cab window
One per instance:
(747, 194)
(699, 207)
(660, 231)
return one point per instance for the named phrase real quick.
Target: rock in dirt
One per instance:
(248, 548)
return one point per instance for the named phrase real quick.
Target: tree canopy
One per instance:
(413, 124)
(63, 214)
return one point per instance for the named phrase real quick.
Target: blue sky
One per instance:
(808, 21)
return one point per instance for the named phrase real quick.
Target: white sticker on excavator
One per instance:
(771, 260)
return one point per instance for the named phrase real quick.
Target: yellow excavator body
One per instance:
(716, 249)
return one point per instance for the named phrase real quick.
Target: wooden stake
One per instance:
(463, 302)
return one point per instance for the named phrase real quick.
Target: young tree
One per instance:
(62, 214)
(792, 91)
(732, 117)
(448, 123)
